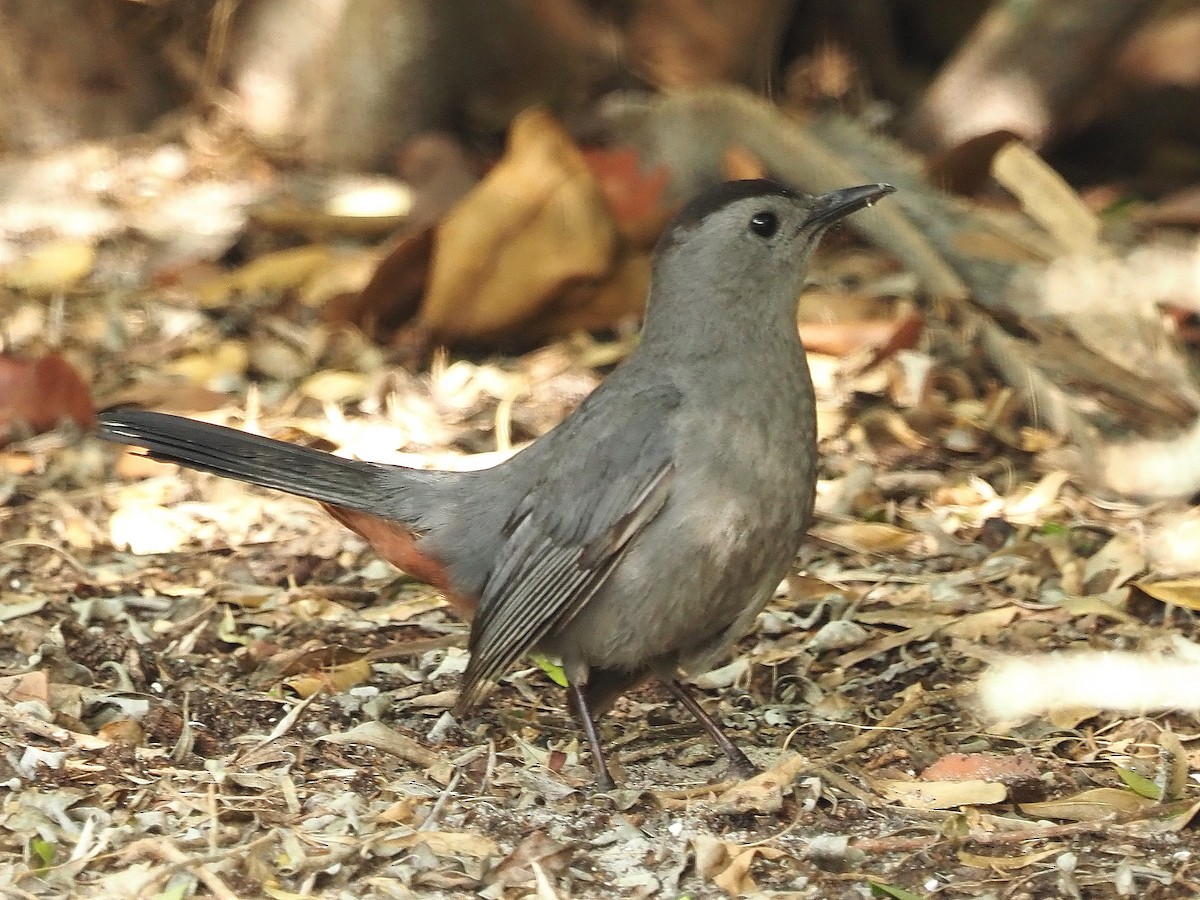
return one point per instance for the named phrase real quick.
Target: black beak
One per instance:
(828, 208)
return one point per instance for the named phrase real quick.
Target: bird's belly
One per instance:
(690, 583)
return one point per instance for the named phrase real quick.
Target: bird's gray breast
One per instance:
(700, 572)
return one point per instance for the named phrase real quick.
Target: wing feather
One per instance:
(571, 531)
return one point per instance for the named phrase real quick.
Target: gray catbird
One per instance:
(641, 536)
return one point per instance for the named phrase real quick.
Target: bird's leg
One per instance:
(738, 760)
(604, 781)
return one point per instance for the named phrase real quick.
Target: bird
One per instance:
(640, 537)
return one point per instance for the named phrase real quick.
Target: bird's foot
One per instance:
(742, 769)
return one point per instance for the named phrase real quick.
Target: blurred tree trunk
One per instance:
(1026, 69)
(346, 83)
(70, 70)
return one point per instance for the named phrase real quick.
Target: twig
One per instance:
(46, 545)
(287, 721)
(172, 854)
(430, 823)
(1106, 826)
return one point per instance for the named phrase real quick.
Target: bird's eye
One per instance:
(764, 224)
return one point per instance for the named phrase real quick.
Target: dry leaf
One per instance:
(537, 849)
(1107, 605)
(886, 425)
(27, 686)
(281, 664)
(944, 794)
(228, 360)
(866, 537)
(735, 878)
(402, 610)
(845, 337)
(401, 812)
(334, 386)
(167, 394)
(346, 274)
(1174, 768)
(727, 864)
(930, 626)
(51, 268)
(1007, 863)
(764, 792)
(987, 623)
(38, 394)
(1031, 507)
(634, 197)
(444, 843)
(336, 679)
(620, 298)
(1088, 806)
(1046, 197)
(1183, 592)
(1177, 822)
(392, 294)
(535, 224)
(379, 736)
(993, 247)
(270, 273)
(123, 731)
(1114, 564)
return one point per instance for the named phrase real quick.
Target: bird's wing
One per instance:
(611, 475)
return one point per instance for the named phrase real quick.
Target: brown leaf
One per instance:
(867, 537)
(944, 794)
(538, 848)
(168, 394)
(445, 843)
(739, 162)
(123, 731)
(381, 737)
(764, 792)
(273, 272)
(393, 294)
(588, 308)
(635, 198)
(886, 336)
(982, 766)
(727, 864)
(844, 338)
(335, 680)
(285, 664)
(537, 223)
(27, 686)
(1008, 863)
(966, 167)
(1183, 592)
(54, 267)
(39, 393)
(227, 360)
(1088, 806)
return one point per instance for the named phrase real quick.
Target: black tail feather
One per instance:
(246, 457)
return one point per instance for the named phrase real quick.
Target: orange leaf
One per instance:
(535, 225)
(393, 294)
(40, 393)
(634, 197)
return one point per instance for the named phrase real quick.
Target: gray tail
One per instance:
(249, 457)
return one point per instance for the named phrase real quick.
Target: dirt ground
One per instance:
(215, 690)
